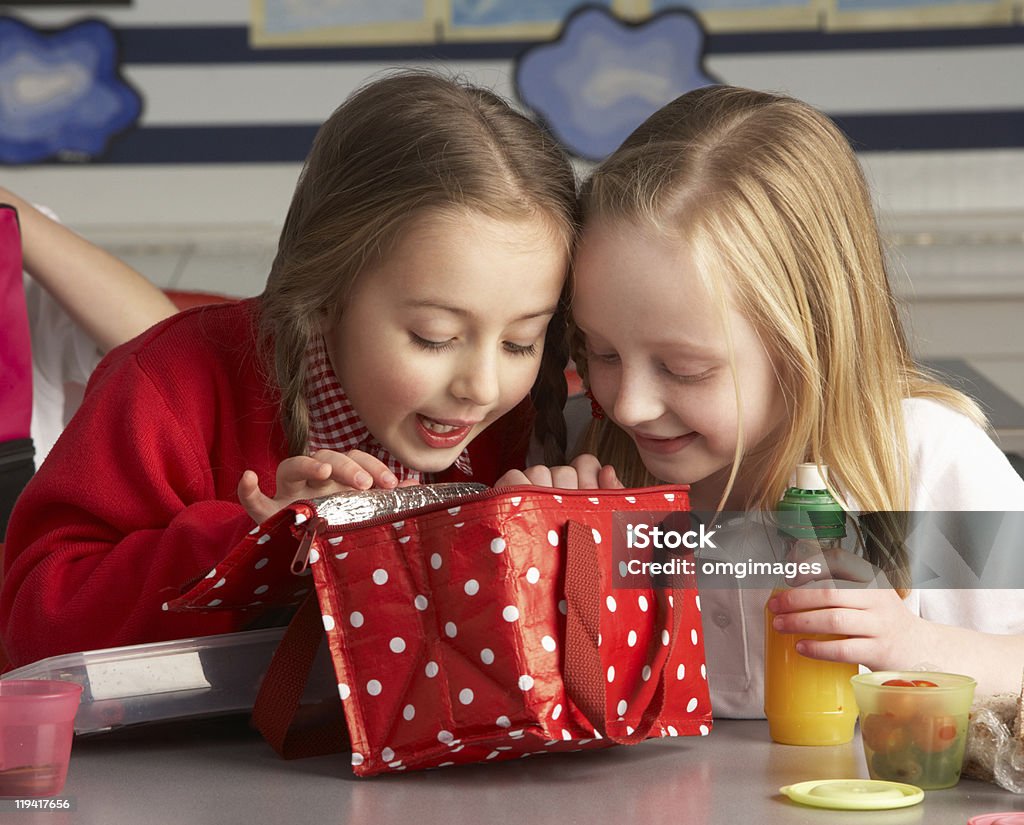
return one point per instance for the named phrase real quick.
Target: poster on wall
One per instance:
(886, 14)
(750, 15)
(332, 22)
(371, 22)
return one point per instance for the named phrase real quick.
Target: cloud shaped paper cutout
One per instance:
(60, 94)
(602, 77)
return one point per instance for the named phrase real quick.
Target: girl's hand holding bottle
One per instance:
(877, 629)
(321, 474)
(852, 599)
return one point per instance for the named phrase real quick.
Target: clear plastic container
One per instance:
(36, 729)
(914, 728)
(203, 676)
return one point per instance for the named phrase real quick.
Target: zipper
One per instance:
(317, 525)
(313, 528)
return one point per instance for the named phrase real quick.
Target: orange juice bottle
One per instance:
(807, 701)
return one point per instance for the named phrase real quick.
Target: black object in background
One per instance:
(16, 468)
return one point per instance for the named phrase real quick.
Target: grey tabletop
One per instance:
(219, 771)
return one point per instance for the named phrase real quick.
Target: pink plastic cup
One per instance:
(37, 724)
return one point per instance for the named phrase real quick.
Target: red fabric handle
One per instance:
(584, 675)
(293, 730)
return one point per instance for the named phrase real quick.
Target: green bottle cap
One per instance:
(808, 510)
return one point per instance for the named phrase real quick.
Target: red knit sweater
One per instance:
(138, 497)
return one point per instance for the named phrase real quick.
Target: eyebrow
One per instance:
(686, 347)
(427, 304)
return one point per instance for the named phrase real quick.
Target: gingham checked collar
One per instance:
(334, 423)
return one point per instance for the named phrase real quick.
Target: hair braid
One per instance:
(551, 390)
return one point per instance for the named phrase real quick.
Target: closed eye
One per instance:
(691, 378)
(432, 346)
(526, 350)
(603, 357)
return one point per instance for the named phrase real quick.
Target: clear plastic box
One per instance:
(205, 676)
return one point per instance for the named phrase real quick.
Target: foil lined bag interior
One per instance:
(341, 509)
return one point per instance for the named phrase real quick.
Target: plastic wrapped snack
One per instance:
(995, 741)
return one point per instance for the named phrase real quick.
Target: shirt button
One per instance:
(722, 619)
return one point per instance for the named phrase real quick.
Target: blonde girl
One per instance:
(733, 319)
(414, 307)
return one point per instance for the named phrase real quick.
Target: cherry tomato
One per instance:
(933, 734)
(908, 683)
(884, 733)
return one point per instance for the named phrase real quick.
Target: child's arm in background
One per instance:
(111, 301)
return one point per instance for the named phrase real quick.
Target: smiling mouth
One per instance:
(442, 428)
(654, 444)
(437, 426)
(443, 435)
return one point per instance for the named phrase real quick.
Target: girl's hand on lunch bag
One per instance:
(585, 473)
(323, 473)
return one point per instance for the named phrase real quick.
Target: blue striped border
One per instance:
(260, 143)
(230, 44)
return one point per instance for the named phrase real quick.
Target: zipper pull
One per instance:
(301, 560)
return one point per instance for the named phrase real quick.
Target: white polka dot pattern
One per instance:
(474, 623)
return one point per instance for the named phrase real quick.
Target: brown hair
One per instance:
(401, 145)
(768, 195)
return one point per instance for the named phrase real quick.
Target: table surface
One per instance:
(219, 771)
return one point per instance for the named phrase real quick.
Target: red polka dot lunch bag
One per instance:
(479, 625)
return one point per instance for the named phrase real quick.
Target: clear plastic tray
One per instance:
(206, 676)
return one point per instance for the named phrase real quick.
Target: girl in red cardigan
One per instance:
(414, 307)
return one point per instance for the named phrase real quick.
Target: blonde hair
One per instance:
(403, 145)
(768, 196)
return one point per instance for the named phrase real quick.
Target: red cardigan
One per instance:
(138, 497)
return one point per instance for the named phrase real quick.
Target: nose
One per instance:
(476, 379)
(637, 400)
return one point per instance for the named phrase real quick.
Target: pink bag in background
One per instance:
(15, 342)
(16, 452)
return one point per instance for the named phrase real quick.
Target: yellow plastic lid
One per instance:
(854, 794)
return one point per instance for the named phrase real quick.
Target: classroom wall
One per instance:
(954, 216)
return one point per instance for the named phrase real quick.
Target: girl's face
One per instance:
(445, 335)
(658, 358)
